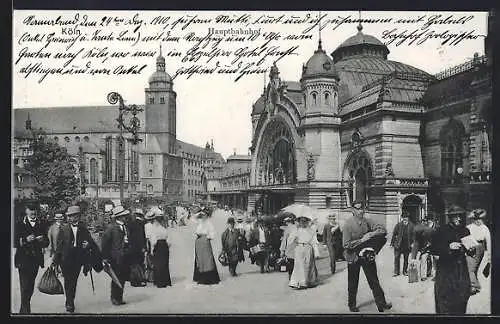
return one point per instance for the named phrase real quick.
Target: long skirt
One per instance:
(161, 256)
(305, 273)
(452, 286)
(473, 263)
(205, 269)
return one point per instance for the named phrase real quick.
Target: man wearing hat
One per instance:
(30, 237)
(401, 242)
(138, 245)
(53, 233)
(117, 251)
(481, 233)
(73, 250)
(231, 245)
(357, 231)
(452, 288)
(331, 231)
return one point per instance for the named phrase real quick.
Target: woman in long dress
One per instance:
(158, 244)
(205, 269)
(452, 288)
(305, 273)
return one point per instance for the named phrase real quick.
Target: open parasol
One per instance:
(301, 210)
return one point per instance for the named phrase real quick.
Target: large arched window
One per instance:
(451, 138)
(327, 98)
(359, 175)
(314, 97)
(93, 171)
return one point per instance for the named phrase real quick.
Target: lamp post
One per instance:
(132, 127)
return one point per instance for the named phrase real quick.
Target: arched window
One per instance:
(93, 171)
(150, 189)
(77, 139)
(327, 98)
(359, 176)
(314, 96)
(66, 138)
(335, 100)
(56, 139)
(451, 138)
(86, 138)
(150, 172)
(151, 160)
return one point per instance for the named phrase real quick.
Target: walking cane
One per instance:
(92, 282)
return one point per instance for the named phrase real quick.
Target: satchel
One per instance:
(223, 258)
(49, 283)
(137, 274)
(413, 272)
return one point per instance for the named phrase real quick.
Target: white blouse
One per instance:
(154, 233)
(306, 236)
(481, 233)
(205, 227)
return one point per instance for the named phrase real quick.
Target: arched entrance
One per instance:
(359, 175)
(276, 166)
(413, 204)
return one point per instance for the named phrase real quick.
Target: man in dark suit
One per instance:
(401, 241)
(137, 243)
(75, 249)
(117, 251)
(330, 232)
(360, 233)
(30, 238)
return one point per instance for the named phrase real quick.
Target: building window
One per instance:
(77, 139)
(451, 137)
(86, 138)
(162, 100)
(150, 189)
(56, 139)
(151, 160)
(66, 138)
(109, 158)
(93, 171)
(16, 161)
(314, 98)
(151, 100)
(327, 98)
(150, 172)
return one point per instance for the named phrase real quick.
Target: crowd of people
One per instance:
(135, 247)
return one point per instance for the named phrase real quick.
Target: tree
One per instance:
(54, 173)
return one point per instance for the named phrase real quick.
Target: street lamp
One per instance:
(132, 127)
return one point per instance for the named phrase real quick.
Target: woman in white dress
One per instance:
(158, 247)
(305, 273)
(205, 269)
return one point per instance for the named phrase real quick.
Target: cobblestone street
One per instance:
(250, 292)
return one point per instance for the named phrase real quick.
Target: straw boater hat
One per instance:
(203, 211)
(455, 211)
(239, 219)
(119, 211)
(477, 214)
(58, 217)
(153, 213)
(73, 210)
(332, 216)
(139, 211)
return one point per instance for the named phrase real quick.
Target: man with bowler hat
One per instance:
(401, 242)
(30, 238)
(73, 249)
(116, 251)
(358, 230)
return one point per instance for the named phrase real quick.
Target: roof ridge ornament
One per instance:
(360, 27)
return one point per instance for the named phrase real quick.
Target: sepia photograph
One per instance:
(251, 162)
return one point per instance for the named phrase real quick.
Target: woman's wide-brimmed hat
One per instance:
(139, 211)
(202, 211)
(153, 213)
(477, 214)
(455, 211)
(230, 220)
(119, 211)
(309, 218)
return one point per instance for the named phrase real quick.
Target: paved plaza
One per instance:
(249, 293)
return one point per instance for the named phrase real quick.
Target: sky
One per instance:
(216, 107)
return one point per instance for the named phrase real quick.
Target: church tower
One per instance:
(160, 107)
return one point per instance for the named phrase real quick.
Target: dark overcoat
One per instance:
(231, 244)
(29, 254)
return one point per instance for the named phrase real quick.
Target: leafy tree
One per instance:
(54, 173)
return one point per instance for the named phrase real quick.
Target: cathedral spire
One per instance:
(320, 48)
(28, 122)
